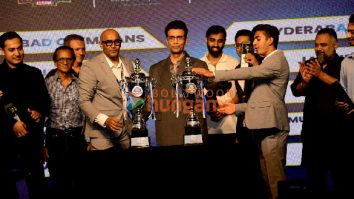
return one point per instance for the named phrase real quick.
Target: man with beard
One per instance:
(26, 101)
(322, 119)
(170, 128)
(221, 127)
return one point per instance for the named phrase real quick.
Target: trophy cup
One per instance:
(246, 48)
(138, 85)
(191, 86)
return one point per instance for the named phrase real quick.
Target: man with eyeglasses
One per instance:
(101, 98)
(221, 127)
(77, 43)
(169, 128)
(65, 142)
(243, 87)
(23, 91)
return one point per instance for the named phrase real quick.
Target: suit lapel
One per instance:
(108, 73)
(128, 66)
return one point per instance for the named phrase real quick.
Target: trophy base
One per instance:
(139, 138)
(139, 142)
(193, 139)
(139, 132)
(193, 135)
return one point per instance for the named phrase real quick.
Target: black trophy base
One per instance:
(139, 132)
(193, 135)
(139, 138)
(192, 130)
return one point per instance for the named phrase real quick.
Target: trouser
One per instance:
(66, 149)
(272, 145)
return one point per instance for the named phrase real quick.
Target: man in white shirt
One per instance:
(221, 127)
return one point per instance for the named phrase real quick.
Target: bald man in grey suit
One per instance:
(100, 96)
(265, 111)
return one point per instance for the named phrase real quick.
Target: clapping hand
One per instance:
(305, 73)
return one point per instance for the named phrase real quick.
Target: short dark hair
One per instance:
(7, 36)
(70, 37)
(177, 24)
(215, 29)
(269, 30)
(55, 54)
(244, 32)
(329, 31)
(351, 18)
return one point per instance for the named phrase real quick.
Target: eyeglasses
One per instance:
(351, 31)
(116, 42)
(64, 59)
(172, 38)
(238, 45)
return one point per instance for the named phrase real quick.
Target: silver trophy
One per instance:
(191, 87)
(246, 48)
(139, 87)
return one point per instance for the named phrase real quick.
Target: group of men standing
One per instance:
(85, 105)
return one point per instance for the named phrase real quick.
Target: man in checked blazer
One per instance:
(265, 111)
(100, 96)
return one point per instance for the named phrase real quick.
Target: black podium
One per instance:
(195, 169)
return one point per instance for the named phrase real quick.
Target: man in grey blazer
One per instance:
(101, 98)
(265, 111)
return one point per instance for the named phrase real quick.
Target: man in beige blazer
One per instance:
(265, 112)
(101, 98)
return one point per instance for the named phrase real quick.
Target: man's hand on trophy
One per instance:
(203, 71)
(216, 116)
(251, 59)
(228, 108)
(114, 124)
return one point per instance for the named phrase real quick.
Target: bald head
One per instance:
(107, 33)
(110, 43)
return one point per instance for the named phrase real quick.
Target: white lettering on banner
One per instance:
(295, 56)
(42, 2)
(134, 38)
(300, 29)
(295, 121)
(293, 154)
(44, 66)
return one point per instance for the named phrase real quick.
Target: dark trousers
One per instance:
(24, 161)
(66, 150)
(221, 139)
